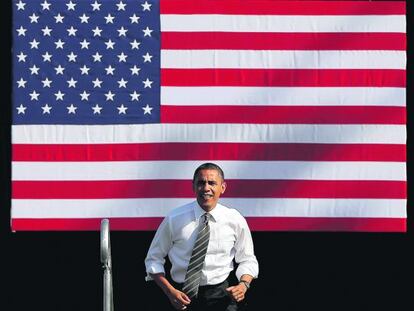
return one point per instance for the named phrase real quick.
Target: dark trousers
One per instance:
(213, 298)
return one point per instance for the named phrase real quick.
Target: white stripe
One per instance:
(283, 59)
(144, 170)
(282, 23)
(248, 207)
(253, 133)
(283, 96)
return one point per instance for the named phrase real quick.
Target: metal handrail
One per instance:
(106, 260)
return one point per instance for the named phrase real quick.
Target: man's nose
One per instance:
(206, 186)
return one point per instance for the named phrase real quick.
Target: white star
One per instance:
(34, 95)
(21, 31)
(147, 109)
(147, 83)
(21, 109)
(97, 83)
(47, 57)
(122, 31)
(84, 18)
(122, 109)
(34, 44)
(97, 31)
(21, 57)
(122, 83)
(84, 96)
(45, 5)
(46, 82)
(147, 32)
(109, 19)
(110, 44)
(122, 57)
(59, 18)
(146, 6)
(109, 96)
(121, 6)
(21, 83)
(46, 109)
(147, 57)
(71, 31)
(72, 57)
(97, 57)
(59, 70)
(59, 44)
(34, 70)
(135, 96)
(97, 109)
(84, 44)
(135, 44)
(47, 31)
(33, 18)
(71, 6)
(96, 6)
(110, 70)
(84, 70)
(20, 5)
(59, 95)
(71, 109)
(72, 82)
(135, 70)
(134, 19)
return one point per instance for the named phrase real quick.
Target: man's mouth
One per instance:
(206, 196)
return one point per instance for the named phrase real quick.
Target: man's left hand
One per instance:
(237, 292)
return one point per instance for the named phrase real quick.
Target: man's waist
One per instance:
(202, 287)
(208, 277)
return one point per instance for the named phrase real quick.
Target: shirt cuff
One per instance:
(154, 269)
(244, 270)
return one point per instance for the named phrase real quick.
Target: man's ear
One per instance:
(223, 187)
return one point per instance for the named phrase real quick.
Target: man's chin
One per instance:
(206, 205)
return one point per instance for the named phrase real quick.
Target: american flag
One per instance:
(302, 103)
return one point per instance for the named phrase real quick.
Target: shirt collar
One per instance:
(216, 213)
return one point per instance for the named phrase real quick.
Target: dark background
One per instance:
(298, 271)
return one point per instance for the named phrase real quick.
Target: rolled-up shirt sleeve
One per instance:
(159, 248)
(244, 255)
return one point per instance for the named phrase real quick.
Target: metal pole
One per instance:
(108, 303)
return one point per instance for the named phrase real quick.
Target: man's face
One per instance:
(208, 186)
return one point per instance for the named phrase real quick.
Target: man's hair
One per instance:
(208, 166)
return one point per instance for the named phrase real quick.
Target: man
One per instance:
(218, 235)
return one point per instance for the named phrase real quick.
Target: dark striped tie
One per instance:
(193, 275)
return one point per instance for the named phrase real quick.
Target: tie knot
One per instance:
(207, 217)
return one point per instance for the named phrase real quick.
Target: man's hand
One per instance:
(237, 292)
(178, 299)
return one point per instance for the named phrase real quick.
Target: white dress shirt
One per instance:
(230, 239)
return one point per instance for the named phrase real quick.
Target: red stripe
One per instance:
(327, 224)
(183, 189)
(282, 41)
(255, 224)
(269, 7)
(210, 151)
(84, 224)
(284, 114)
(284, 77)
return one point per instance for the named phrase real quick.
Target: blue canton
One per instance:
(86, 62)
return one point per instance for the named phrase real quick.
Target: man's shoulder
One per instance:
(180, 210)
(231, 212)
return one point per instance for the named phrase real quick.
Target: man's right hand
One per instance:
(178, 299)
